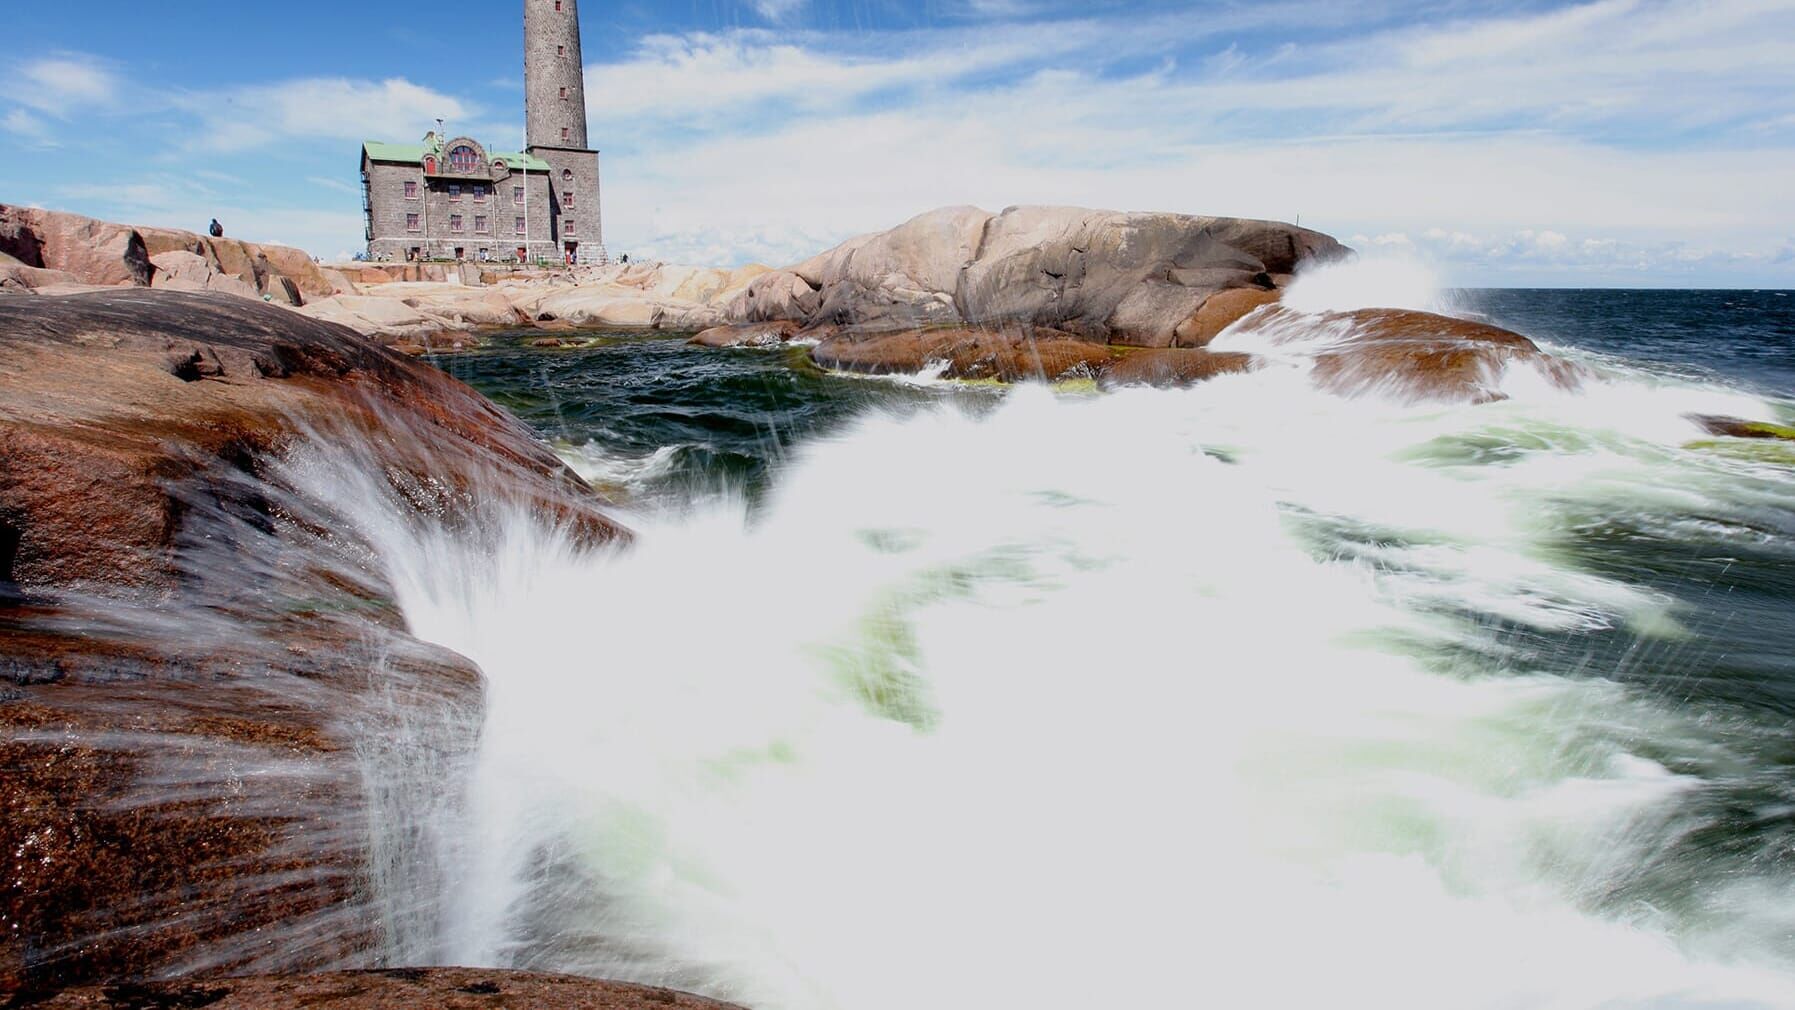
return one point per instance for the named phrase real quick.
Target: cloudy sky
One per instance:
(1619, 142)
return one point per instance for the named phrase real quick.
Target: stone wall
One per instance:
(553, 74)
(434, 207)
(580, 222)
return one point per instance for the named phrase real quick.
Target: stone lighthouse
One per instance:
(555, 125)
(452, 197)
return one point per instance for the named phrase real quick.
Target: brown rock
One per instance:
(199, 656)
(1123, 278)
(1412, 356)
(340, 284)
(161, 240)
(775, 296)
(296, 265)
(110, 381)
(386, 989)
(1220, 311)
(1173, 366)
(1102, 276)
(1010, 356)
(746, 334)
(230, 256)
(95, 252)
(1734, 427)
(191, 272)
(18, 277)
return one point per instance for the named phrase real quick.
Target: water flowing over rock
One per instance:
(206, 685)
(746, 335)
(1174, 366)
(1404, 355)
(1734, 427)
(388, 989)
(961, 353)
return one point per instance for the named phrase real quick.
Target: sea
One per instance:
(913, 692)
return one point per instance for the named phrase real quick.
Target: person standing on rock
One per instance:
(216, 230)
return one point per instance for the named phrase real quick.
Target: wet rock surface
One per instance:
(1409, 356)
(1735, 427)
(960, 353)
(746, 334)
(1176, 366)
(388, 989)
(206, 680)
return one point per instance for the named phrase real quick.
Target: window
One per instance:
(564, 94)
(557, 4)
(567, 198)
(454, 190)
(560, 50)
(520, 226)
(479, 192)
(411, 223)
(463, 159)
(567, 176)
(565, 133)
(571, 228)
(480, 224)
(454, 222)
(517, 195)
(411, 190)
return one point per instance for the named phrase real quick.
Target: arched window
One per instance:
(567, 176)
(462, 159)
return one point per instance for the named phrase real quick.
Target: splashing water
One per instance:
(1243, 695)
(1383, 282)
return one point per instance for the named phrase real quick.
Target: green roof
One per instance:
(412, 154)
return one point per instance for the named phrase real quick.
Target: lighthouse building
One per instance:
(452, 197)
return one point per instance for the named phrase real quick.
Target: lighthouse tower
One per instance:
(555, 125)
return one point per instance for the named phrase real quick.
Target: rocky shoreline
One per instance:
(201, 652)
(379, 989)
(1048, 293)
(206, 678)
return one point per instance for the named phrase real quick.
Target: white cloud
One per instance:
(339, 185)
(59, 84)
(174, 200)
(1609, 135)
(324, 108)
(769, 141)
(28, 126)
(777, 10)
(686, 81)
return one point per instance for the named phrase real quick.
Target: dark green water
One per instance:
(719, 420)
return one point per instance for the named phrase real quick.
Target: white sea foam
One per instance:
(1382, 281)
(1049, 706)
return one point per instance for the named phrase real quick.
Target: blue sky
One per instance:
(1617, 142)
